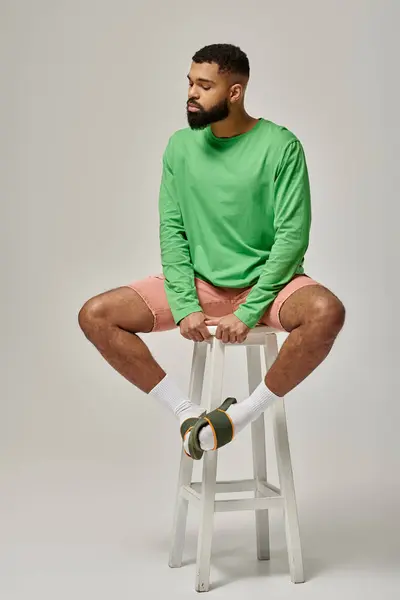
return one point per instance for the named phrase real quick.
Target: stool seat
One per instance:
(266, 495)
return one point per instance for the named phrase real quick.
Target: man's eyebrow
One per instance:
(202, 79)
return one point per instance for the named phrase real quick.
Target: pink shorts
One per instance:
(215, 301)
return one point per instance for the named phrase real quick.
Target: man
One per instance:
(235, 218)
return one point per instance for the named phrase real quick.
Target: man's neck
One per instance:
(233, 125)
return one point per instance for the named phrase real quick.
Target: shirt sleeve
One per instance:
(292, 223)
(175, 255)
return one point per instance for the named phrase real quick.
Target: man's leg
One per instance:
(314, 317)
(111, 322)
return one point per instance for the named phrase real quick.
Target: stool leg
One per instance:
(285, 474)
(186, 465)
(207, 505)
(259, 454)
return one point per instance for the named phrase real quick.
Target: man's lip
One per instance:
(193, 107)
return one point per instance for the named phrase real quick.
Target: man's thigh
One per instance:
(152, 293)
(119, 306)
(214, 302)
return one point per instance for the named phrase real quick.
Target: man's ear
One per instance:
(237, 92)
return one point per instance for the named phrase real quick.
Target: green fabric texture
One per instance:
(235, 212)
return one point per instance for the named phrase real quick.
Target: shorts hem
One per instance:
(146, 301)
(282, 302)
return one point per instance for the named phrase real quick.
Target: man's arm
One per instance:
(175, 255)
(292, 223)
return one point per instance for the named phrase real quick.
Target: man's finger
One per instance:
(225, 336)
(233, 338)
(204, 331)
(195, 336)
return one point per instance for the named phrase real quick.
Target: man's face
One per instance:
(208, 92)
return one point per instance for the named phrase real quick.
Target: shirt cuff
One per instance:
(248, 319)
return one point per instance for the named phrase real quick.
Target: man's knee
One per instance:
(327, 313)
(93, 311)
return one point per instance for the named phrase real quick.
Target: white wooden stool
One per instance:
(266, 495)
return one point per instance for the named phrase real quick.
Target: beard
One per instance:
(202, 118)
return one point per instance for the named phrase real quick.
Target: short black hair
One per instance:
(229, 58)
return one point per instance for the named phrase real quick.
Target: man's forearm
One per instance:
(279, 269)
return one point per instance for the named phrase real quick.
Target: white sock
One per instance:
(167, 392)
(241, 414)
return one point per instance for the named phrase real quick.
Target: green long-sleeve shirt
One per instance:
(233, 212)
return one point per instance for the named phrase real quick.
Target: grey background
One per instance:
(90, 92)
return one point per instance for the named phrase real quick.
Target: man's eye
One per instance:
(203, 86)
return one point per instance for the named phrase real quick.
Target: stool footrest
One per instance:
(240, 485)
(270, 495)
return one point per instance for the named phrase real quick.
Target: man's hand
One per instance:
(230, 328)
(193, 327)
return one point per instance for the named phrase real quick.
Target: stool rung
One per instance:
(240, 485)
(248, 504)
(189, 493)
(233, 504)
(266, 488)
(271, 495)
